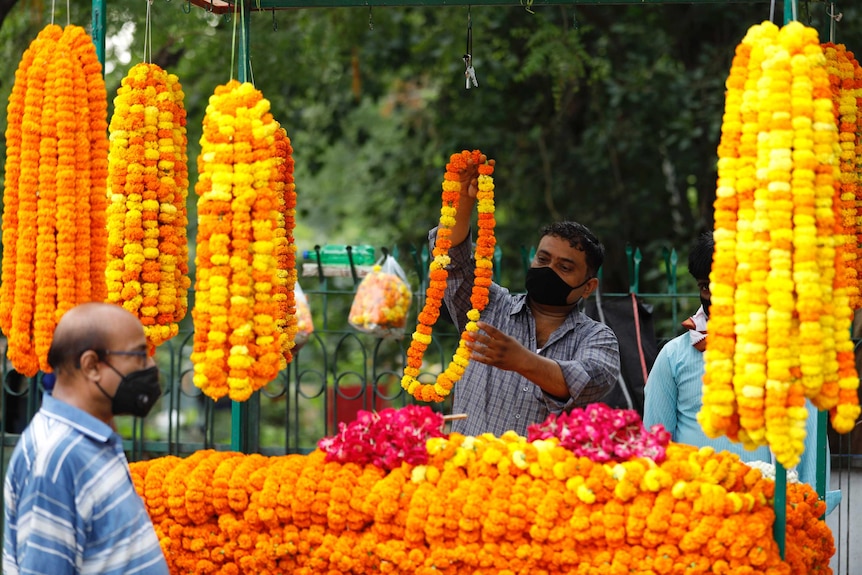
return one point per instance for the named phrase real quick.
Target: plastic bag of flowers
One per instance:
(304, 321)
(382, 300)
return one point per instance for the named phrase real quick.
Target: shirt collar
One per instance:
(77, 418)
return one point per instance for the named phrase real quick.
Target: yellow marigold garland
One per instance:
(238, 344)
(480, 503)
(437, 275)
(780, 323)
(733, 233)
(54, 191)
(147, 269)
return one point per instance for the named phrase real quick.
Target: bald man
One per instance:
(70, 504)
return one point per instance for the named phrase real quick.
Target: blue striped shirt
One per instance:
(70, 504)
(672, 397)
(497, 401)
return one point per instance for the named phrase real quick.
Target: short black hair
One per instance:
(700, 257)
(580, 238)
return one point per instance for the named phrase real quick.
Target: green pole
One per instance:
(245, 414)
(99, 23)
(779, 530)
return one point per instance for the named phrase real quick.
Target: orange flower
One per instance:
(437, 277)
(57, 146)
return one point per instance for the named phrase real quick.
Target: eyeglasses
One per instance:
(143, 354)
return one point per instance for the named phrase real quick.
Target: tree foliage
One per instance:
(609, 115)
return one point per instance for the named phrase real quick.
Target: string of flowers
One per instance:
(238, 342)
(54, 196)
(840, 66)
(495, 504)
(786, 338)
(730, 273)
(147, 267)
(438, 275)
(838, 393)
(285, 246)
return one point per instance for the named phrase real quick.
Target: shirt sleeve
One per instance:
(661, 394)
(50, 533)
(592, 371)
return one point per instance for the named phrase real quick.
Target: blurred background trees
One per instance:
(609, 115)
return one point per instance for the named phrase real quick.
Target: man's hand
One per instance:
(495, 348)
(470, 180)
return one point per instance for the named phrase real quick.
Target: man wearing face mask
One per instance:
(536, 353)
(70, 505)
(674, 388)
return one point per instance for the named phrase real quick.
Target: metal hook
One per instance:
(274, 22)
(370, 19)
(227, 16)
(187, 7)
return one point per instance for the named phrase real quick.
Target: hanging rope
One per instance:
(469, 73)
(148, 35)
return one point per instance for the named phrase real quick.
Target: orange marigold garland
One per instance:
(437, 275)
(238, 344)
(147, 270)
(54, 191)
(285, 244)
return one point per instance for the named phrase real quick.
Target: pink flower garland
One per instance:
(385, 438)
(603, 434)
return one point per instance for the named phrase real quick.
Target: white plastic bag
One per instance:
(382, 300)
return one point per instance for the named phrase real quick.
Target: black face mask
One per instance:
(545, 287)
(137, 392)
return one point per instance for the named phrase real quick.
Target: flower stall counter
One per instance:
(589, 493)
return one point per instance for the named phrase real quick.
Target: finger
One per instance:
(489, 329)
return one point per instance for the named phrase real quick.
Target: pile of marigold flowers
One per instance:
(783, 280)
(476, 505)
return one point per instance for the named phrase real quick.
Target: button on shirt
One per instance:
(70, 504)
(497, 401)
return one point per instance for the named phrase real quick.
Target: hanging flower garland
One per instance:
(841, 66)
(438, 275)
(54, 199)
(147, 269)
(285, 246)
(731, 269)
(786, 338)
(239, 343)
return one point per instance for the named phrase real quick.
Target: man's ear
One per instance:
(90, 363)
(591, 286)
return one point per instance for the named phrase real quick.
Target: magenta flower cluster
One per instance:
(603, 434)
(385, 438)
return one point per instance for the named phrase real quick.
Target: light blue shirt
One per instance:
(70, 504)
(672, 397)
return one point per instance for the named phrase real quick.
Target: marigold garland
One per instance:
(781, 284)
(437, 275)
(54, 191)
(240, 287)
(147, 269)
(479, 504)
